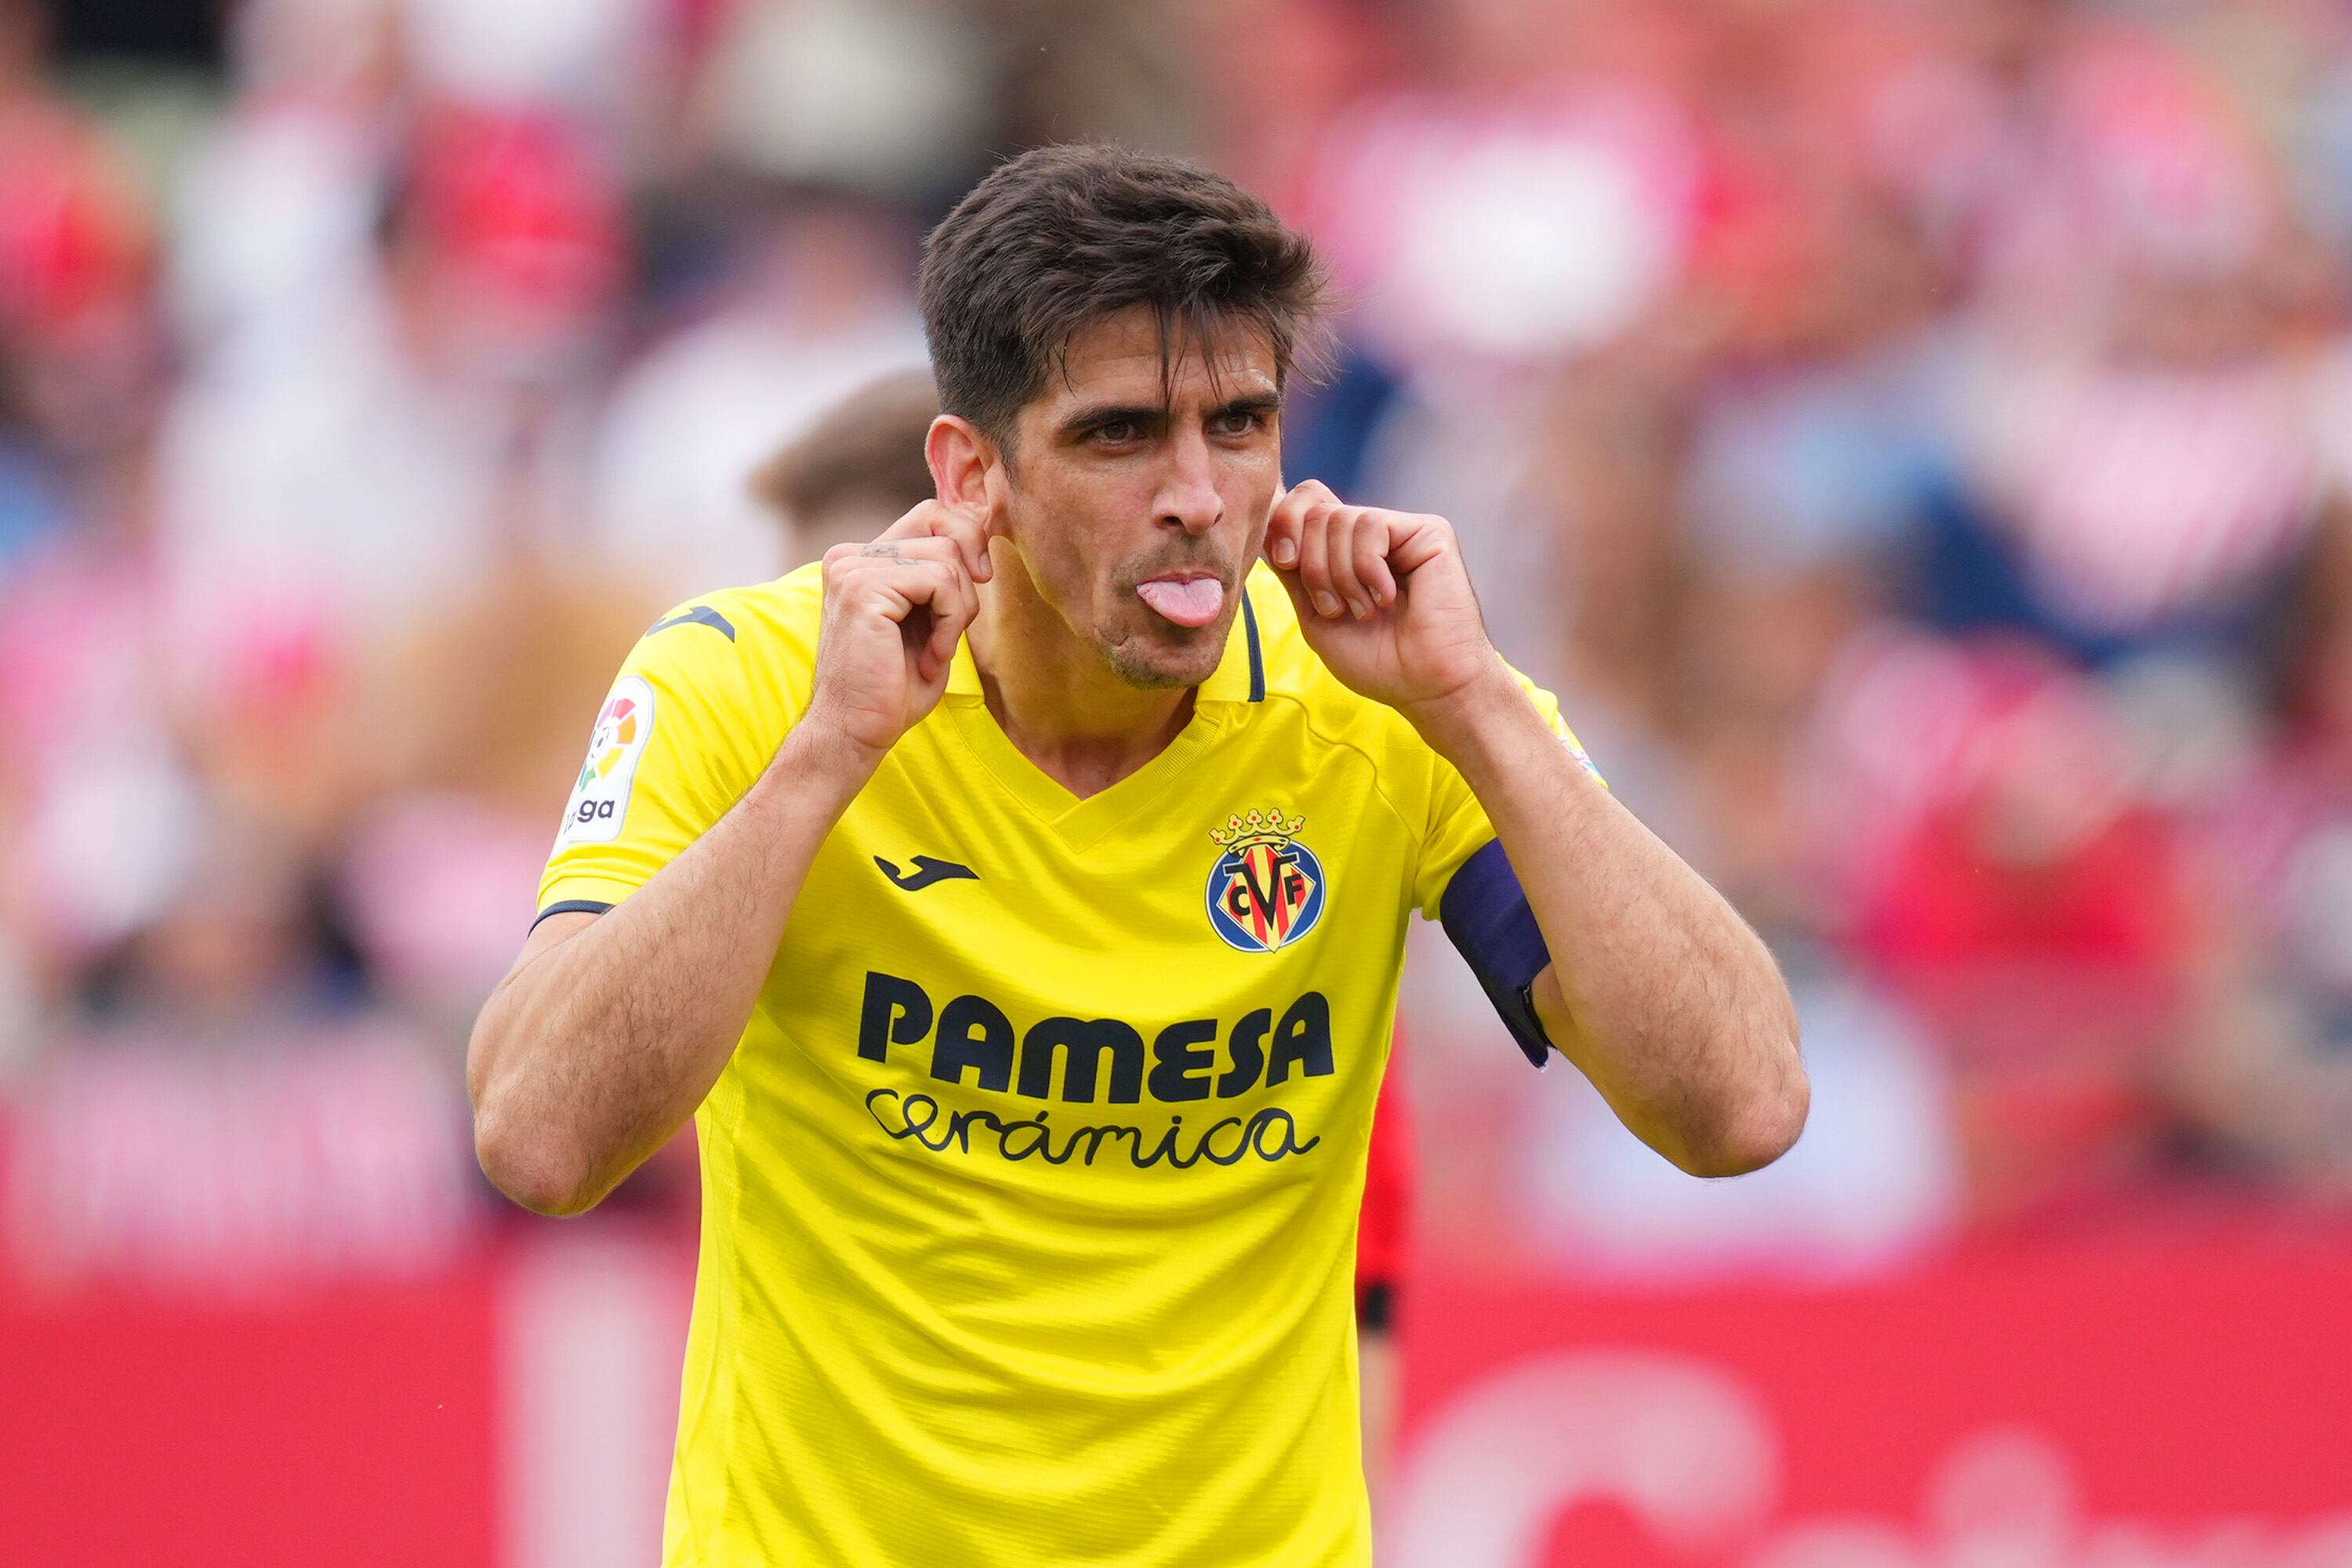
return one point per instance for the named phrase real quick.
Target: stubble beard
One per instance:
(1159, 656)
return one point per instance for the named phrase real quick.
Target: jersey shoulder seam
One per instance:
(1307, 718)
(776, 606)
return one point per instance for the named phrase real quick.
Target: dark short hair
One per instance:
(867, 451)
(1061, 237)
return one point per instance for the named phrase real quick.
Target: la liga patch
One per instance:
(599, 800)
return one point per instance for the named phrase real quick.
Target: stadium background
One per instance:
(1914, 436)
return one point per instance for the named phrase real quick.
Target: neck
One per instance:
(1055, 698)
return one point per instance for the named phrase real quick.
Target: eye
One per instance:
(1115, 432)
(1240, 421)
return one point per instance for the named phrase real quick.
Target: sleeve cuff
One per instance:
(571, 907)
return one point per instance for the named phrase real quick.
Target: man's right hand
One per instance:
(894, 611)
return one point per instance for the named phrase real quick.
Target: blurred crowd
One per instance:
(1912, 436)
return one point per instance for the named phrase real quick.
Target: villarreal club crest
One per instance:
(1266, 890)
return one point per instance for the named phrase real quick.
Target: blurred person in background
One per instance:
(98, 791)
(2266, 799)
(399, 663)
(818, 308)
(857, 469)
(395, 299)
(2034, 910)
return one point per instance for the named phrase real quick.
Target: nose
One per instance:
(1188, 494)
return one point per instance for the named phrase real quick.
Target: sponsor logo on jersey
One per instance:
(1266, 890)
(599, 800)
(1219, 1070)
(973, 1039)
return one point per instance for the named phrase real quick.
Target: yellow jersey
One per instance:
(1030, 1191)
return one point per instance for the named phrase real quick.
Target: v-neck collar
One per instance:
(1238, 680)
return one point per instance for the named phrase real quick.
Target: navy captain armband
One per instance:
(1485, 911)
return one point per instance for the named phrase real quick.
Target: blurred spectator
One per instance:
(824, 305)
(851, 475)
(890, 97)
(2040, 918)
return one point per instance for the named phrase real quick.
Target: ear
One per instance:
(967, 470)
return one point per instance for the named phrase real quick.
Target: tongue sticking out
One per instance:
(1193, 602)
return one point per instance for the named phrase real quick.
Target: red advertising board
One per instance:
(2123, 1406)
(351, 1426)
(2184, 1404)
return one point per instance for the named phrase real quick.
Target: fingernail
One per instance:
(1285, 551)
(1357, 608)
(1326, 604)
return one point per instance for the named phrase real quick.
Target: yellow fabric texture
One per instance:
(1030, 1194)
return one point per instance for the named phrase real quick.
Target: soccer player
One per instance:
(858, 469)
(1015, 902)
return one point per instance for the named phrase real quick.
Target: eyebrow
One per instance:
(1249, 403)
(1097, 415)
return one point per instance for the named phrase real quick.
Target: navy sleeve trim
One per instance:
(1257, 654)
(1485, 911)
(1376, 1306)
(571, 907)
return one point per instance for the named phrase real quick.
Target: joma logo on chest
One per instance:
(975, 1036)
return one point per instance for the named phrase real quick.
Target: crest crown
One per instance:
(1256, 826)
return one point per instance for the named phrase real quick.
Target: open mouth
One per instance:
(1187, 598)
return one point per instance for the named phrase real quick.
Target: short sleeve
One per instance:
(680, 736)
(1457, 824)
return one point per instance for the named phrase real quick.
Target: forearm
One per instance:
(1657, 990)
(592, 1053)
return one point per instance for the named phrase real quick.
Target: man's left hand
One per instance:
(1384, 599)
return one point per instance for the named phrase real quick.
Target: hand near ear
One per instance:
(894, 610)
(1382, 597)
